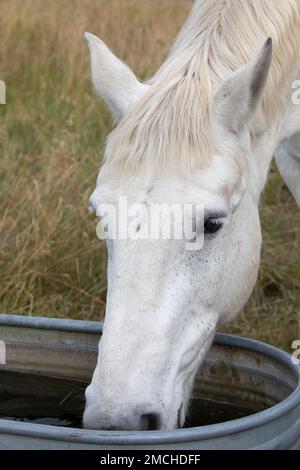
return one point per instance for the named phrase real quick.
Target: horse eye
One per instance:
(212, 225)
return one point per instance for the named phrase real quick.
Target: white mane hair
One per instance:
(170, 127)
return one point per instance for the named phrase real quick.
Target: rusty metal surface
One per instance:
(237, 369)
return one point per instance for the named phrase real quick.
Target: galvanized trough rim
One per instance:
(202, 433)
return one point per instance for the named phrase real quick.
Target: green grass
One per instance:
(52, 132)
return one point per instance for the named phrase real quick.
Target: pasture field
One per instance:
(52, 132)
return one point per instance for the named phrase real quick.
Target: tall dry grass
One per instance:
(52, 132)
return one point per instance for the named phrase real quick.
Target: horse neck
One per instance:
(263, 148)
(269, 133)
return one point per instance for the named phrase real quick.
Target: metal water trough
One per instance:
(236, 369)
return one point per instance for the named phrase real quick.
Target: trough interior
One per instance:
(47, 372)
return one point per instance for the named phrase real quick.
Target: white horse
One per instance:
(203, 130)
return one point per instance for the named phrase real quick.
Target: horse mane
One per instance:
(170, 127)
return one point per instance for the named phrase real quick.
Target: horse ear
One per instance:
(112, 79)
(238, 97)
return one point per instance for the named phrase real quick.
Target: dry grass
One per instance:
(52, 132)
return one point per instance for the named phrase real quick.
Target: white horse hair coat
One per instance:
(203, 131)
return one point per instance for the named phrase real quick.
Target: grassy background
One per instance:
(52, 132)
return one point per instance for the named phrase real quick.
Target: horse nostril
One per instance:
(150, 422)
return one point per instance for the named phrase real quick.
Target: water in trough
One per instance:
(60, 402)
